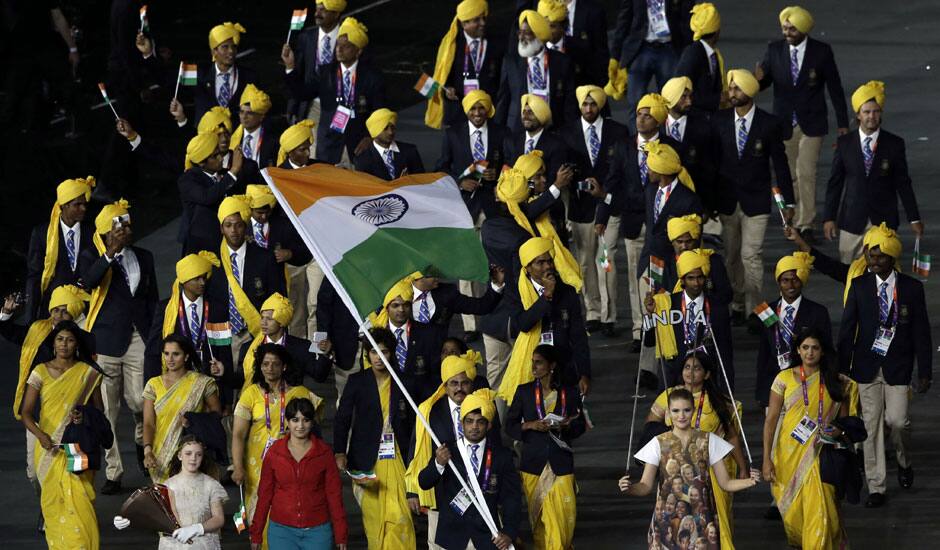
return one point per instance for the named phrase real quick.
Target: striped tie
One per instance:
(234, 317)
(690, 324)
(529, 145)
(347, 87)
(390, 163)
(474, 51)
(474, 460)
(658, 203)
(789, 327)
(742, 137)
(479, 153)
(644, 169)
(538, 79)
(247, 150)
(260, 239)
(194, 325)
(867, 154)
(424, 312)
(70, 248)
(119, 264)
(676, 134)
(326, 51)
(794, 73)
(595, 144)
(401, 351)
(225, 90)
(457, 421)
(884, 307)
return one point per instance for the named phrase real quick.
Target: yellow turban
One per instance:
(529, 165)
(594, 92)
(293, 137)
(453, 365)
(744, 80)
(553, 10)
(616, 80)
(512, 187)
(798, 17)
(221, 33)
(680, 225)
(799, 261)
(355, 32)
(873, 89)
(478, 96)
(70, 296)
(379, 120)
(215, 117)
(281, 307)
(674, 88)
(200, 147)
(71, 189)
(539, 107)
(705, 20)
(533, 248)
(236, 204)
(664, 160)
(887, 242)
(105, 218)
(691, 260)
(481, 399)
(260, 196)
(537, 23)
(195, 265)
(333, 5)
(656, 105)
(402, 288)
(259, 101)
(471, 9)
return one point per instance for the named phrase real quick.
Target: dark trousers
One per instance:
(657, 60)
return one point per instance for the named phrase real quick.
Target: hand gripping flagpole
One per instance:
(724, 374)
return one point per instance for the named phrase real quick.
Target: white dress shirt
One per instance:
(708, 54)
(240, 261)
(416, 304)
(667, 192)
(783, 306)
(748, 120)
(76, 238)
(534, 137)
(404, 335)
(542, 59)
(481, 52)
(699, 302)
(538, 288)
(454, 416)
(255, 143)
(131, 267)
(681, 121)
(292, 165)
(891, 280)
(333, 34)
(188, 310)
(640, 142)
(232, 81)
(874, 139)
(572, 6)
(464, 449)
(598, 127)
(393, 147)
(484, 135)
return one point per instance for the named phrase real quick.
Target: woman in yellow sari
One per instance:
(808, 399)
(59, 386)
(700, 378)
(179, 390)
(259, 417)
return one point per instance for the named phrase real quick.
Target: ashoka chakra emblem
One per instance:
(381, 210)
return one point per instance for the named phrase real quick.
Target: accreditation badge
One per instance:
(804, 430)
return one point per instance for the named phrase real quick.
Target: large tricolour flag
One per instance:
(369, 233)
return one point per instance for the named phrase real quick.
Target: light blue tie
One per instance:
(424, 312)
(479, 153)
(70, 248)
(529, 145)
(234, 317)
(788, 325)
(326, 51)
(658, 203)
(713, 63)
(474, 460)
(538, 79)
(347, 88)
(884, 307)
(867, 154)
(260, 239)
(457, 421)
(390, 163)
(194, 325)
(690, 324)
(742, 137)
(225, 90)
(644, 169)
(676, 134)
(247, 150)
(474, 51)
(401, 351)
(794, 73)
(595, 144)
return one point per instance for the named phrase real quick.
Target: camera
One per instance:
(575, 171)
(118, 222)
(584, 185)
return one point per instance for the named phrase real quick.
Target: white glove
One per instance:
(121, 523)
(184, 534)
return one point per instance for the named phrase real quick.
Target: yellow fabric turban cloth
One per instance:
(70, 296)
(379, 120)
(873, 89)
(744, 79)
(221, 33)
(553, 10)
(402, 288)
(333, 5)
(616, 80)
(656, 105)
(539, 107)
(355, 32)
(200, 147)
(471, 9)
(71, 189)
(215, 117)
(293, 137)
(664, 160)
(67, 191)
(537, 23)
(236, 204)
(594, 92)
(799, 261)
(674, 88)
(798, 17)
(259, 101)
(528, 164)
(281, 307)
(453, 365)
(105, 218)
(705, 20)
(691, 260)
(478, 96)
(887, 242)
(481, 399)
(533, 248)
(194, 265)
(680, 225)
(512, 187)
(260, 196)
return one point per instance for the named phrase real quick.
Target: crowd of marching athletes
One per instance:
(426, 428)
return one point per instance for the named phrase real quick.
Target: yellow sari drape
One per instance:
(552, 508)
(186, 395)
(808, 506)
(385, 513)
(35, 336)
(67, 499)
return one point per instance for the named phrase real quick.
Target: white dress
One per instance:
(192, 497)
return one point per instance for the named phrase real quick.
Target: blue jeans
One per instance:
(658, 61)
(282, 537)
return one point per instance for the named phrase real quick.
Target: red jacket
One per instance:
(300, 494)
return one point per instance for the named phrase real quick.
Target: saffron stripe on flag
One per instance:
(190, 75)
(766, 314)
(427, 86)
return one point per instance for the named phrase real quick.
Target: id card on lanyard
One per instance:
(387, 441)
(807, 427)
(885, 333)
(471, 84)
(345, 102)
(267, 419)
(783, 356)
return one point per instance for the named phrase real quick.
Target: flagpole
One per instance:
(734, 406)
(179, 77)
(107, 99)
(289, 29)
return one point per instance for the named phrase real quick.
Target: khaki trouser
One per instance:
(884, 404)
(850, 245)
(432, 530)
(124, 376)
(297, 293)
(802, 156)
(497, 359)
(634, 248)
(472, 288)
(315, 278)
(743, 238)
(600, 287)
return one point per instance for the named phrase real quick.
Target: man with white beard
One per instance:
(534, 69)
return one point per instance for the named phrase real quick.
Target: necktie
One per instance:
(676, 134)
(867, 154)
(658, 203)
(474, 51)
(234, 317)
(474, 460)
(247, 150)
(713, 63)
(594, 143)
(742, 137)
(424, 312)
(479, 152)
(225, 90)
(194, 325)
(794, 65)
(347, 87)
(788, 325)
(644, 169)
(883, 304)
(326, 51)
(457, 421)
(690, 324)
(390, 163)
(401, 350)
(70, 248)
(538, 79)
(119, 263)
(260, 239)
(529, 145)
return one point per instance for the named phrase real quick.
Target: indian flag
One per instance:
(144, 24)
(475, 169)
(778, 198)
(368, 233)
(766, 314)
(188, 75)
(76, 460)
(240, 518)
(427, 86)
(603, 257)
(657, 267)
(104, 92)
(297, 19)
(921, 261)
(219, 334)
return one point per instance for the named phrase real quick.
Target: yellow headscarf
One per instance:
(539, 107)
(594, 92)
(801, 262)
(887, 242)
(537, 23)
(294, 137)
(700, 259)
(680, 225)
(283, 311)
(258, 101)
(221, 33)
(402, 288)
(656, 105)
(553, 10)
(215, 117)
(478, 96)
(744, 80)
(674, 88)
(200, 147)
(70, 296)
(529, 164)
(105, 218)
(798, 17)
(187, 269)
(355, 32)
(333, 5)
(481, 399)
(66, 192)
(616, 85)
(466, 10)
(379, 120)
(102, 225)
(236, 204)
(259, 196)
(873, 89)
(705, 20)
(664, 160)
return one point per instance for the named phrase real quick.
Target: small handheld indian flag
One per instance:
(241, 516)
(219, 334)
(297, 21)
(603, 256)
(144, 23)
(76, 460)
(104, 94)
(427, 86)
(657, 267)
(780, 202)
(921, 264)
(766, 314)
(475, 170)
(188, 74)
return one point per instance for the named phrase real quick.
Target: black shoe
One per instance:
(635, 346)
(905, 477)
(111, 487)
(471, 336)
(772, 513)
(609, 330)
(592, 326)
(875, 500)
(808, 235)
(648, 380)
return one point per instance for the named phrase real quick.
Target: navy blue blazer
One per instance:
(513, 83)
(457, 155)
(407, 158)
(462, 69)
(204, 93)
(706, 85)
(449, 301)
(718, 286)
(582, 207)
(682, 201)
(553, 149)
(538, 447)
(697, 153)
(37, 302)
(333, 318)
(201, 196)
(261, 276)
(633, 25)
(281, 233)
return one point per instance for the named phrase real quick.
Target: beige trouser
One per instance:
(634, 248)
(600, 287)
(850, 245)
(472, 288)
(802, 156)
(432, 530)
(497, 359)
(315, 278)
(124, 376)
(884, 404)
(743, 238)
(297, 293)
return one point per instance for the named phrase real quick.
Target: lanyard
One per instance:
(701, 406)
(822, 389)
(184, 321)
(349, 99)
(267, 411)
(782, 327)
(487, 468)
(685, 324)
(477, 61)
(538, 400)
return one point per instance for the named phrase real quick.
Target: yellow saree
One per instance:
(67, 499)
